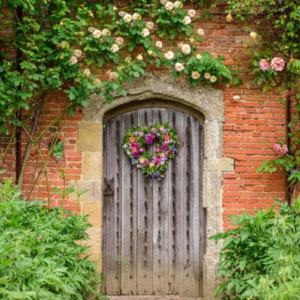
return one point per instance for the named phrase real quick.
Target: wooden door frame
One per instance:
(205, 102)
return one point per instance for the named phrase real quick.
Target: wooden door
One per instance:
(153, 231)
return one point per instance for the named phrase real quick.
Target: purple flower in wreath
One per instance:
(155, 175)
(173, 150)
(164, 147)
(135, 154)
(133, 161)
(149, 140)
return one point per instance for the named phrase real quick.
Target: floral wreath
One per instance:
(166, 142)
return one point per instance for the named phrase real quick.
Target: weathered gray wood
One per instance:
(176, 119)
(111, 211)
(154, 229)
(145, 222)
(192, 236)
(161, 222)
(129, 215)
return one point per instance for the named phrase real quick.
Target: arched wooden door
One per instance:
(153, 231)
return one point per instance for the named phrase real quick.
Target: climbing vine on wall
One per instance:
(275, 63)
(66, 45)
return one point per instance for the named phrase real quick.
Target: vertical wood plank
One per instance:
(176, 120)
(112, 233)
(161, 223)
(129, 215)
(192, 225)
(145, 225)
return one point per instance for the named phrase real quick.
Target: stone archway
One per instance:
(206, 100)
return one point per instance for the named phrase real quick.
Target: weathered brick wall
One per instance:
(253, 123)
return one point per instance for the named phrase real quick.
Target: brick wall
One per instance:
(253, 123)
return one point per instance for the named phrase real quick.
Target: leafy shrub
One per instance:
(260, 258)
(39, 256)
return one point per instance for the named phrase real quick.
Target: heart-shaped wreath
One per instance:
(166, 142)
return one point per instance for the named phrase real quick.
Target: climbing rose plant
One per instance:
(274, 28)
(87, 47)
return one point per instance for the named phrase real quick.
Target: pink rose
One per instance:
(264, 65)
(280, 149)
(277, 64)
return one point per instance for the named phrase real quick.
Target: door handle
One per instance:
(108, 187)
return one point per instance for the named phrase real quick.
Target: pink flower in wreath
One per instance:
(264, 65)
(164, 147)
(133, 149)
(158, 160)
(161, 128)
(157, 150)
(167, 137)
(277, 64)
(141, 133)
(131, 139)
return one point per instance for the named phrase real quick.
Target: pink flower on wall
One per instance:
(277, 64)
(264, 65)
(280, 149)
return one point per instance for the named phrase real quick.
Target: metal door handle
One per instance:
(108, 187)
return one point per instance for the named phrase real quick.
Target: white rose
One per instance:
(113, 76)
(192, 13)
(236, 97)
(119, 41)
(195, 75)
(229, 18)
(187, 20)
(87, 72)
(78, 53)
(114, 48)
(150, 25)
(115, 8)
(178, 4)
(169, 55)
(91, 29)
(159, 44)
(207, 75)
(200, 32)
(253, 35)
(136, 16)
(73, 60)
(199, 56)
(150, 52)
(127, 18)
(186, 49)
(163, 2)
(105, 32)
(97, 34)
(139, 57)
(145, 32)
(122, 13)
(179, 67)
(64, 44)
(169, 5)
(128, 59)
(213, 79)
